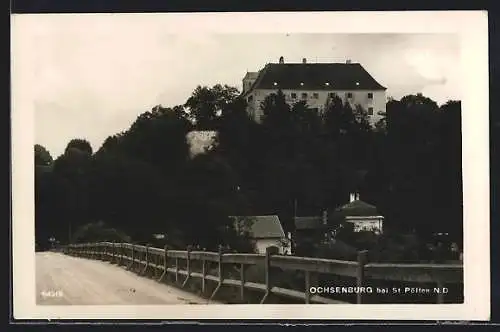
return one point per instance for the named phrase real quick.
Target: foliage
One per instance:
(42, 156)
(297, 161)
(79, 144)
(99, 232)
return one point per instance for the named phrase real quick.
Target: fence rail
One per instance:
(161, 263)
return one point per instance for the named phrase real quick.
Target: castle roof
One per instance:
(315, 76)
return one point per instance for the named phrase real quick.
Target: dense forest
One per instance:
(145, 181)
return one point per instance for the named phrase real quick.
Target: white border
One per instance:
(470, 25)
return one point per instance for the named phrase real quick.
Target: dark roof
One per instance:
(358, 208)
(264, 226)
(308, 223)
(339, 76)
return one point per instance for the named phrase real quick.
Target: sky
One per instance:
(92, 81)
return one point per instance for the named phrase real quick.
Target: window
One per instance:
(370, 110)
(315, 110)
(304, 95)
(315, 95)
(349, 94)
(370, 95)
(294, 95)
(250, 98)
(332, 95)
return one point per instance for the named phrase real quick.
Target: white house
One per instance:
(315, 83)
(266, 231)
(362, 215)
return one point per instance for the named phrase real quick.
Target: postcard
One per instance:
(292, 166)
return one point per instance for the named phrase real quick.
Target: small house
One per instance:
(266, 231)
(363, 216)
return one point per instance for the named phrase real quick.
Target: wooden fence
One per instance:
(162, 263)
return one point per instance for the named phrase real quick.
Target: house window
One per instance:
(332, 94)
(250, 98)
(315, 110)
(304, 95)
(370, 95)
(370, 110)
(349, 94)
(315, 95)
(294, 95)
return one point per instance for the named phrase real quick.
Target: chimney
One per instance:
(282, 60)
(348, 61)
(325, 217)
(304, 60)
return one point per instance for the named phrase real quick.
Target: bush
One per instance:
(99, 232)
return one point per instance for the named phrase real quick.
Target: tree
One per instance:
(129, 194)
(79, 144)
(206, 104)
(42, 156)
(159, 138)
(143, 181)
(99, 232)
(208, 197)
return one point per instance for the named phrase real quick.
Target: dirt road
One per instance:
(63, 280)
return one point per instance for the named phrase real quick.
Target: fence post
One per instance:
(120, 260)
(360, 275)
(242, 285)
(221, 273)
(146, 258)
(156, 262)
(308, 286)
(113, 253)
(165, 263)
(176, 269)
(203, 274)
(188, 266)
(269, 252)
(99, 251)
(132, 257)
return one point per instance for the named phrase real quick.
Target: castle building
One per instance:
(315, 83)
